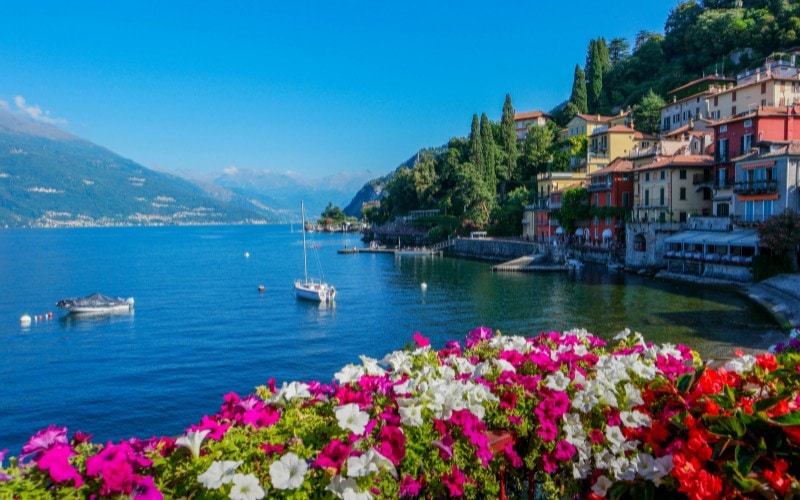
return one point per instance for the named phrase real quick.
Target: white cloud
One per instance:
(35, 112)
(232, 170)
(3, 104)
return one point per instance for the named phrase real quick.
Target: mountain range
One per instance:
(51, 178)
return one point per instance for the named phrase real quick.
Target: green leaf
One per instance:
(685, 382)
(744, 484)
(725, 426)
(745, 458)
(788, 419)
(766, 404)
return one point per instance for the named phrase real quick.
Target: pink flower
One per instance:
(272, 449)
(146, 489)
(409, 487)
(512, 456)
(445, 446)
(217, 429)
(393, 444)
(420, 340)
(564, 451)
(479, 334)
(116, 465)
(333, 455)
(261, 416)
(454, 481)
(43, 441)
(56, 461)
(547, 431)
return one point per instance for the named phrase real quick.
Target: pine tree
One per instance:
(578, 97)
(487, 143)
(594, 76)
(508, 142)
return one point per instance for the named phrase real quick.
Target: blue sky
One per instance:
(311, 87)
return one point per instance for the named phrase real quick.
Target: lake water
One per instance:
(202, 329)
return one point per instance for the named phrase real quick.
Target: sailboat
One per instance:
(310, 288)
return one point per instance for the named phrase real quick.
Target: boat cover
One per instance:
(93, 300)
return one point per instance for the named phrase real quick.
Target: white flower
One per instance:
(369, 462)
(557, 381)
(741, 364)
(351, 418)
(371, 366)
(288, 473)
(614, 437)
(654, 469)
(634, 419)
(601, 486)
(193, 440)
(400, 361)
(346, 489)
(410, 415)
(291, 391)
(219, 473)
(246, 487)
(349, 374)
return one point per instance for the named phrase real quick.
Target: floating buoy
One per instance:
(25, 320)
(247, 255)
(260, 288)
(424, 286)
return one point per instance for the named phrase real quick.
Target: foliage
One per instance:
(507, 142)
(579, 417)
(597, 64)
(332, 215)
(537, 150)
(766, 266)
(781, 234)
(647, 112)
(574, 208)
(578, 98)
(507, 218)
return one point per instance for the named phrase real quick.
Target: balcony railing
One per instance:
(756, 187)
(599, 186)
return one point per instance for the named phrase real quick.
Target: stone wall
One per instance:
(491, 249)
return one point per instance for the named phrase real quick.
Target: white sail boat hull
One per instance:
(309, 288)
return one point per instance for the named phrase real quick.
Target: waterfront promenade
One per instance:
(780, 295)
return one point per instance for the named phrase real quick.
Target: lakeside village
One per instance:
(687, 202)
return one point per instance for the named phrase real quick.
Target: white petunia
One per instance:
(635, 419)
(288, 392)
(410, 415)
(741, 364)
(349, 374)
(351, 418)
(654, 469)
(557, 381)
(219, 473)
(400, 362)
(601, 486)
(288, 473)
(246, 487)
(614, 437)
(371, 366)
(369, 462)
(193, 440)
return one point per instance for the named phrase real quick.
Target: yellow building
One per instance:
(671, 189)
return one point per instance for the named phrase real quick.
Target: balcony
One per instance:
(599, 186)
(598, 155)
(756, 187)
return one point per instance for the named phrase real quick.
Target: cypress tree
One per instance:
(594, 77)
(578, 97)
(487, 143)
(508, 141)
(476, 156)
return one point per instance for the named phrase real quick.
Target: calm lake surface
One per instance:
(201, 328)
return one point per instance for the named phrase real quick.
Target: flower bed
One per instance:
(558, 415)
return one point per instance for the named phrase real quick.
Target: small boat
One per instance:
(96, 303)
(574, 264)
(310, 288)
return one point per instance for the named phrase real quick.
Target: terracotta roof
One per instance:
(709, 78)
(642, 135)
(531, 114)
(680, 161)
(595, 118)
(761, 111)
(618, 165)
(787, 148)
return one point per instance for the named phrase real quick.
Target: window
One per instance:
(608, 199)
(763, 102)
(767, 209)
(665, 125)
(682, 173)
(663, 174)
(682, 216)
(722, 177)
(683, 193)
(661, 197)
(748, 211)
(647, 198)
(747, 143)
(722, 150)
(723, 128)
(723, 210)
(763, 87)
(733, 110)
(626, 200)
(647, 176)
(596, 199)
(609, 220)
(733, 96)
(748, 123)
(716, 100)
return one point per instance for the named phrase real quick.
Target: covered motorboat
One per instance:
(96, 303)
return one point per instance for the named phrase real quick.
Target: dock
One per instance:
(529, 263)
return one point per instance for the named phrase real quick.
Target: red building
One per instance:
(736, 136)
(610, 196)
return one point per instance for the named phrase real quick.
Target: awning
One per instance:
(606, 233)
(560, 230)
(743, 238)
(758, 164)
(579, 232)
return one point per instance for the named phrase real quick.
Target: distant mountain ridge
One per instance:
(51, 178)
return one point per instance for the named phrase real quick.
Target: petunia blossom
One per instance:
(288, 473)
(44, 440)
(56, 462)
(246, 487)
(351, 418)
(218, 473)
(193, 440)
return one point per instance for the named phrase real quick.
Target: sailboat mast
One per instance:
(303, 221)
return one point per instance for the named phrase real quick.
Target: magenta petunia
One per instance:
(333, 455)
(392, 444)
(454, 480)
(272, 449)
(564, 451)
(145, 489)
(43, 441)
(512, 456)
(420, 340)
(56, 461)
(445, 446)
(409, 487)
(217, 429)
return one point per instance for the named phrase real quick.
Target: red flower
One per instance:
(777, 479)
(767, 362)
